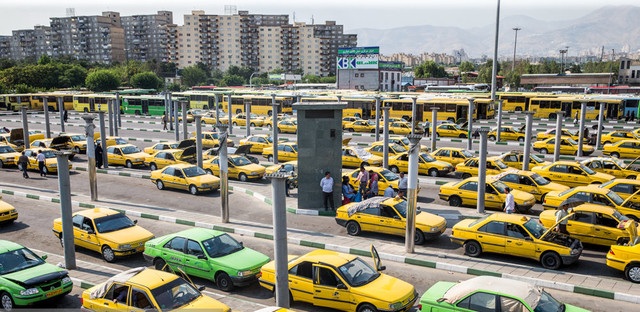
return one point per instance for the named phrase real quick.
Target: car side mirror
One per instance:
(202, 288)
(528, 238)
(202, 257)
(382, 268)
(91, 232)
(396, 217)
(341, 286)
(44, 257)
(135, 221)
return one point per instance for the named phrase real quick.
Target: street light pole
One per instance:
(515, 43)
(494, 69)
(251, 77)
(562, 53)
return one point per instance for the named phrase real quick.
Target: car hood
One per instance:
(253, 168)
(205, 303)
(60, 140)
(243, 149)
(204, 179)
(128, 235)
(140, 155)
(245, 259)
(394, 289)
(521, 196)
(17, 135)
(602, 177)
(188, 152)
(429, 219)
(36, 275)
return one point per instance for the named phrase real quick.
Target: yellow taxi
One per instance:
(567, 147)
(8, 156)
(589, 194)
(507, 133)
(168, 157)
(190, 115)
(145, 289)
(240, 168)
(257, 142)
(377, 148)
(241, 120)
(385, 178)
(343, 282)
(59, 143)
(404, 142)
(127, 155)
(288, 126)
(106, 231)
(571, 173)
(451, 130)
(551, 133)
(616, 136)
(185, 177)
(465, 193)
(388, 215)
(514, 159)
(79, 142)
(211, 139)
(626, 256)
(469, 168)
(209, 118)
(349, 119)
(516, 235)
(427, 165)
(452, 155)
(361, 126)
(592, 224)
(8, 213)
(51, 160)
(160, 146)
(622, 149)
(403, 128)
(286, 151)
(113, 140)
(5, 138)
(289, 166)
(625, 188)
(354, 157)
(268, 122)
(530, 182)
(636, 133)
(609, 165)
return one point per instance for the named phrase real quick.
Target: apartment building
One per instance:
(98, 38)
(30, 44)
(5, 46)
(147, 36)
(629, 72)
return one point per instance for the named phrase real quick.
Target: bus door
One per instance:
(481, 110)
(566, 107)
(211, 101)
(419, 112)
(145, 106)
(612, 110)
(462, 112)
(92, 104)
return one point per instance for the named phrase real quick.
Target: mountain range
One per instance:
(610, 27)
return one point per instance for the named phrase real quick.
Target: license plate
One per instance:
(54, 293)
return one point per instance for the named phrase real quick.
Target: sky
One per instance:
(353, 14)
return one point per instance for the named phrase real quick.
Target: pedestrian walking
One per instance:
(327, 191)
(427, 128)
(509, 203)
(363, 180)
(164, 121)
(23, 163)
(403, 183)
(561, 220)
(41, 163)
(575, 119)
(65, 116)
(99, 156)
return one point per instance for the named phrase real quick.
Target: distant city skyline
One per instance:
(353, 15)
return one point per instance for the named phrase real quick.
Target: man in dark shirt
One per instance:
(23, 162)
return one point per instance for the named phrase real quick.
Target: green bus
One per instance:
(144, 104)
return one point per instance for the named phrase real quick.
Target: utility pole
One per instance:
(515, 43)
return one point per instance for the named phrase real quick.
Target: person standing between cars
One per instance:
(23, 162)
(363, 179)
(327, 191)
(509, 203)
(388, 192)
(41, 163)
(348, 193)
(560, 215)
(65, 116)
(403, 183)
(373, 184)
(99, 155)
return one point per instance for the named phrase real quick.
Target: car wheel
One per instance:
(252, 124)
(551, 261)
(472, 249)
(209, 171)
(270, 158)
(1, 164)
(632, 177)
(544, 151)
(351, 130)
(269, 127)
(553, 116)
(160, 265)
(7, 302)
(463, 136)
(631, 272)
(160, 185)
(616, 155)
(466, 176)
(353, 228)
(521, 139)
(61, 241)
(129, 164)
(108, 254)
(419, 239)
(366, 164)
(455, 201)
(243, 177)
(279, 131)
(193, 189)
(366, 307)
(542, 198)
(235, 124)
(76, 150)
(607, 142)
(433, 172)
(492, 138)
(72, 156)
(224, 282)
(394, 169)
(153, 167)
(390, 131)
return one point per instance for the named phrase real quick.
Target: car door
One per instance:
(301, 282)
(173, 254)
(519, 242)
(109, 301)
(330, 290)
(581, 226)
(492, 199)
(606, 230)
(370, 219)
(492, 236)
(89, 235)
(468, 192)
(78, 240)
(179, 180)
(349, 159)
(393, 223)
(612, 168)
(403, 163)
(196, 262)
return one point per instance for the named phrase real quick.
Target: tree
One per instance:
(193, 76)
(146, 80)
(102, 80)
(73, 76)
(466, 66)
(233, 80)
(429, 69)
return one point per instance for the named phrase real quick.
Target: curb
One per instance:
(354, 251)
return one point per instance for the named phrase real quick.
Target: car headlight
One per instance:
(205, 185)
(574, 252)
(66, 280)
(395, 306)
(124, 246)
(29, 292)
(245, 273)
(254, 172)
(53, 165)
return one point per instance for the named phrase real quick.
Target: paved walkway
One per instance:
(88, 274)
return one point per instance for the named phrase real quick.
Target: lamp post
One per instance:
(494, 68)
(515, 43)
(251, 77)
(562, 53)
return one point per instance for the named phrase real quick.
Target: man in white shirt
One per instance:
(509, 204)
(327, 190)
(41, 163)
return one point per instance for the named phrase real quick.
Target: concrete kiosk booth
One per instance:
(319, 150)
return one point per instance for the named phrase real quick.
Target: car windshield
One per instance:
(466, 153)
(49, 154)
(500, 187)
(294, 147)
(6, 149)
(121, 141)
(269, 139)
(175, 294)
(174, 145)
(619, 162)
(535, 228)
(572, 141)
(388, 175)
(79, 137)
(615, 198)
(401, 207)
(193, 171)
(539, 179)
(358, 272)
(500, 164)
(620, 217)
(130, 150)
(17, 260)
(537, 159)
(398, 148)
(240, 161)
(427, 158)
(221, 246)
(587, 169)
(548, 304)
(113, 222)
(405, 142)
